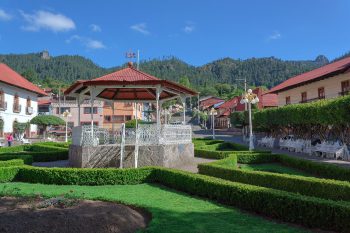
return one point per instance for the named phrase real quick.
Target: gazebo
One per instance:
(147, 144)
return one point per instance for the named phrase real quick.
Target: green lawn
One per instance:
(171, 211)
(273, 167)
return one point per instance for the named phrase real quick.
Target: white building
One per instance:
(18, 101)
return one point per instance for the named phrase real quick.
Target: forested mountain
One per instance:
(217, 77)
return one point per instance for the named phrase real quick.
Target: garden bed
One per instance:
(62, 215)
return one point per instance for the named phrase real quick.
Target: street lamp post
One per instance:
(250, 98)
(213, 112)
(66, 114)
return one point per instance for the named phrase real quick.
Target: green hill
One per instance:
(216, 77)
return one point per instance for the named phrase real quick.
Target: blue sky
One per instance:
(194, 31)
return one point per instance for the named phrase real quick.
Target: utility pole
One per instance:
(138, 59)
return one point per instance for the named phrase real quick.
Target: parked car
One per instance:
(59, 131)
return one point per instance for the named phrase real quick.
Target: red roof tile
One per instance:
(128, 74)
(269, 100)
(11, 77)
(230, 103)
(326, 71)
(44, 102)
(210, 102)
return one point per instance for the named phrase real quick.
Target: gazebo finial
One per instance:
(130, 65)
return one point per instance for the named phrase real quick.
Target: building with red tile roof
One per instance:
(329, 81)
(18, 101)
(267, 100)
(11, 77)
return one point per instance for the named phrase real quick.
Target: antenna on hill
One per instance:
(131, 55)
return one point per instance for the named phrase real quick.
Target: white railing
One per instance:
(145, 134)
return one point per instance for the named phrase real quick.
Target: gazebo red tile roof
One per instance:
(323, 72)
(132, 85)
(11, 77)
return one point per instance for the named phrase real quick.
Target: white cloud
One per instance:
(47, 20)
(190, 26)
(4, 16)
(87, 42)
(141, 27)
(95, 28)
(275, 36)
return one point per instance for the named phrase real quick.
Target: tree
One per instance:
(184, 81)
(46, 120)
(19, 129)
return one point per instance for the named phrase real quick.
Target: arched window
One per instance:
(2, 100)
(16, 106)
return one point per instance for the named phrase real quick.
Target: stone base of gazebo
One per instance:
(172, 155)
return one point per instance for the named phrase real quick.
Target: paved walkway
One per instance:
(193, 166)
(59, 163)
(238, 139)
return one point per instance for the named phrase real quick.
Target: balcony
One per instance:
(3, 106)
(29, 110)
(313, 99)
(17, 108)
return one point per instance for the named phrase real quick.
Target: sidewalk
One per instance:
(238, 139)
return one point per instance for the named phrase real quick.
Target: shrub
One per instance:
(316, 168)
(309, 186)
(76, 176)
(8, 174)
(12, 149)
(27, 159)
(242, 156)
(289, 207)
(11, 163)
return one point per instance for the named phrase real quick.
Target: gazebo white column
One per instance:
(78, 102)
(92, 98)
(183, 100)
(158, 91)
(113, 128)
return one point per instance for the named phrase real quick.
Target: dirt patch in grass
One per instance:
(64, 215)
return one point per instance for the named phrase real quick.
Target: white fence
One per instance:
(146, 134)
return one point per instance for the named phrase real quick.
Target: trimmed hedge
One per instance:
(40, 152)
(289, 207)
(27, 159)
(330, 171)
(8, 174)
(309, 186)
(11, 163)
(12, 149)
(242, 156)
(76, 176)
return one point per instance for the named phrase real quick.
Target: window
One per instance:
(118, 118)
(287, 100)
(107, 118)
(345, 87)
(128, 118)
(2, 100)
(29, 109)
(63, 109)
(303, 97)
(88, 123)
(70, 124)
(16, 106)
(29, 102)
(321, 93)
(87, 110)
